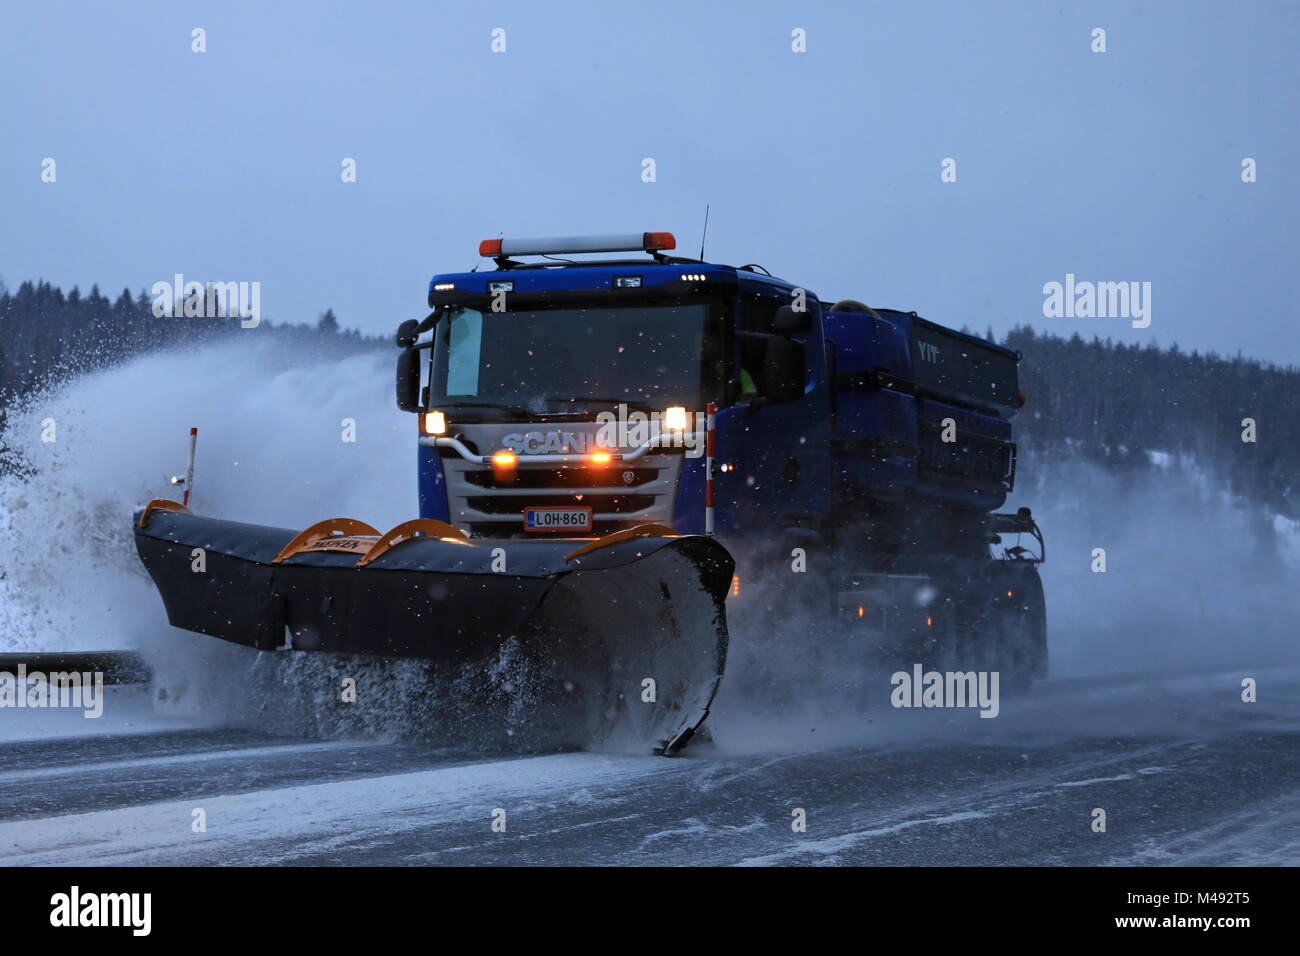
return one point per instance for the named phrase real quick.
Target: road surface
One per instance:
(1186, 772)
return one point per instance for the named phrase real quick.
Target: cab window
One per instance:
(757, 315)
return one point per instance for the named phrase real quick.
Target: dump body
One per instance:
(897, 379)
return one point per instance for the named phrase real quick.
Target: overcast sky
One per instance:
(823, 166)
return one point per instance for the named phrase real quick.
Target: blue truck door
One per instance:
(777, 453)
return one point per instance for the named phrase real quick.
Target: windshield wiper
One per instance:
(630, 402)
(512, 409)
(517, 411)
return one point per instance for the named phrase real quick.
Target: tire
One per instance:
(1016, 625)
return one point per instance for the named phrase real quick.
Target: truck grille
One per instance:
(606, 504)
(490, 503)
(574, 477)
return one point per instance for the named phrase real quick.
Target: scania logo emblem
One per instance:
(629, 477)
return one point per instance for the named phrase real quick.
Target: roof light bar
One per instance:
(564, 245)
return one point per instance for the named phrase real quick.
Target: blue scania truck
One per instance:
(860, 454)
(617, 457)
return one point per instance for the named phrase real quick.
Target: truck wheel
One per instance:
(951, 625)
(1017, 625)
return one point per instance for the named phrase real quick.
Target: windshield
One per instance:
(542, 360)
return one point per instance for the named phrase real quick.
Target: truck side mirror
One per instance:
(783, 369)
(408, 380)
(407, 333)
(787, 321)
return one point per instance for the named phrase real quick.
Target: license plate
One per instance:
(557, 519)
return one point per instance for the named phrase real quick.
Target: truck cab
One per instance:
(567, 396)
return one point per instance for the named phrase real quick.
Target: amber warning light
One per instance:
(567, 245)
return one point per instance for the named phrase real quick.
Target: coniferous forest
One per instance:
(1115, 404)
(1107, 403)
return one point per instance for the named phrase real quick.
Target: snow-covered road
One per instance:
(1186, 773)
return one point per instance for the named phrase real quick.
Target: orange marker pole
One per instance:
(708, 468)
(189, 468)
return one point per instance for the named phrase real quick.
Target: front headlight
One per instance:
(435, 423)
(675, 419)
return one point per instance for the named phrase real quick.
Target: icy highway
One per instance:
(1185, 771)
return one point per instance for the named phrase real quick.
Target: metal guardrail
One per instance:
(118, 667)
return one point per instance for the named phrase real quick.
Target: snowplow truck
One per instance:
(595, 438)
(851, 458)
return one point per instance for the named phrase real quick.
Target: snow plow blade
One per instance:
(624, 638)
